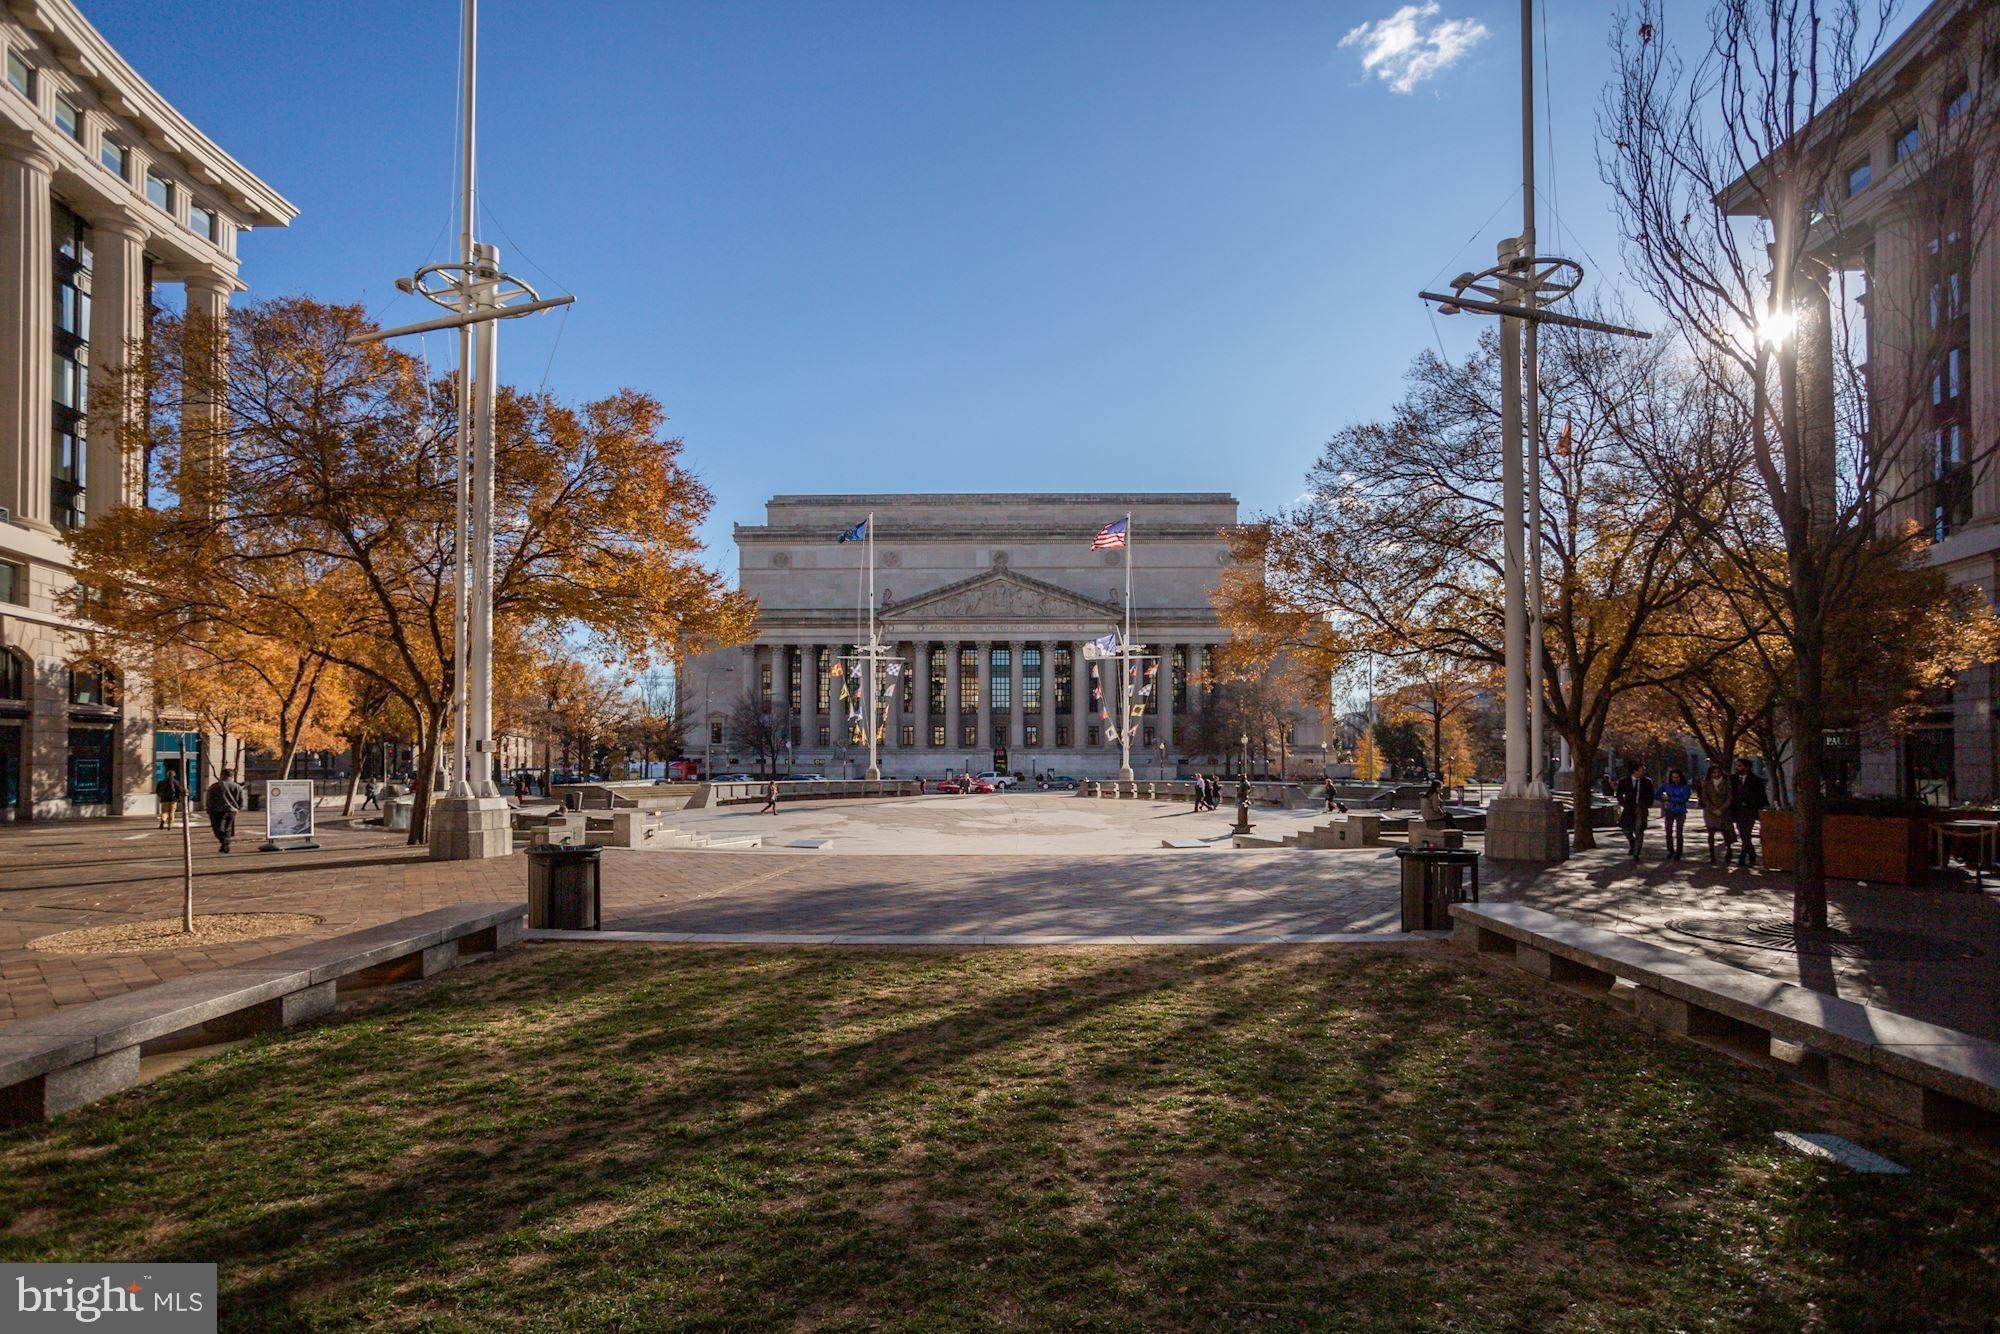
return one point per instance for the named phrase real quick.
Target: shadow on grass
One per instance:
(732, 1136)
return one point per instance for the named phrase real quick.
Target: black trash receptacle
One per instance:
(1433, 880)
(564, 891)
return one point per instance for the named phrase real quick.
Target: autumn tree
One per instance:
(763, 727)
(1730, 161)
(341, 467)
(1396, 549)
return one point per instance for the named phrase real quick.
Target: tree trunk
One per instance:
(1583, 750)
(424, 781)
(1808, 743)
(357, 748)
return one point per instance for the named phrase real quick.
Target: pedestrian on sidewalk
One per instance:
(1200, 794)
(1715, 811)
(370, 792)
(1747, 800)
(171, 792)
(1635, 803)
(225, 797)
(1674, 795)
(770, 798)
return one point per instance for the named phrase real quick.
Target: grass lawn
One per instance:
(1397, 1137)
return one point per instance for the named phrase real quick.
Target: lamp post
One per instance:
(1243, 825)
(1161, 746)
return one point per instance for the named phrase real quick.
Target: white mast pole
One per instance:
(461, 538)
(874, 652)
(1531, 405)
(1125, 660)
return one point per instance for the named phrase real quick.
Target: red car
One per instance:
(953, 786)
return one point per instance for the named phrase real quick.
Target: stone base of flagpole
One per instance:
(471, 829)
(874, 774)
(1125, 774)
(1526, 829)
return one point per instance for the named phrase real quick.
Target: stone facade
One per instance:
(105, 192)
(988, 601)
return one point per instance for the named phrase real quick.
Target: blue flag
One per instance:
(856, 533)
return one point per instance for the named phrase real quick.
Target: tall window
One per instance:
(1858, 177)
(113, 155)
(67, 475)
(968, 733)
(1063, 685)
(201, 221)
(1907, 141)
(795, 687)
(1000, 679)
(937, 736)
(822, 683)
(909, 687)
(13, 583)
(1951, 399)
(13, 675)
(89, 768)
(1031, 733)
(909, 739)
(937, 688)
(1180, 670)
(1062, 734)
(160, 191)
(968, 682)
(1031, 680)
(764, 682)
(20, 76)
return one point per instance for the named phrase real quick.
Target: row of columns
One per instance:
(27, 336)
(780, 659)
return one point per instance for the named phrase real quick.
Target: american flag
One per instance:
(1111, 535)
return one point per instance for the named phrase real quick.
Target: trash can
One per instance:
(1433, 880)
(564, 890)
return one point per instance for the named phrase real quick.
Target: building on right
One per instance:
(1906, 228)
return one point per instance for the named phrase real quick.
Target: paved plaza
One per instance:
(975, 870)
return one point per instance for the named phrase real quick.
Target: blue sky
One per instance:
(924, 247)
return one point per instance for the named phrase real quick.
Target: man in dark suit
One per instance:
(1747, 800)
(1635, 803)
(225, 797)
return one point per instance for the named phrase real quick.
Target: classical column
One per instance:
(1015, 712)
(204, 427)
(27, 333)
(951, 695)
(1079, 699)
(921, 664)
(984, 711)
(1163, 697)
(1049, 649)
(116, 462)
(809, 696)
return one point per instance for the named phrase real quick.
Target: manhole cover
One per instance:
(1834, 942)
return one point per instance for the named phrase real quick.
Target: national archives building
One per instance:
(988, 601)
(106, 193)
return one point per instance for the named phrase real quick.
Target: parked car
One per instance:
(999, 781)
(952, 786)
(732, 778)
(1059, 782)
(808, 778)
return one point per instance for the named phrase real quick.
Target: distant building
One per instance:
(106, 191)
(988, 600)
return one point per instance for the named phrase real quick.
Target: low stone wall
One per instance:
(1263, 793)
(736, 794)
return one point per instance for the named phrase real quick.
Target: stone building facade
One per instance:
(106, 192)
(1912, 215)
(988, 601)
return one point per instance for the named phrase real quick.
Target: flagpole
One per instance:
(874, 657)
(1125, 677)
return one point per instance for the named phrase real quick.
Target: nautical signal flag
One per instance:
(854, 534)
(1110, 535)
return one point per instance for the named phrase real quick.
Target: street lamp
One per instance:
(1243, 825)
(1161, 746)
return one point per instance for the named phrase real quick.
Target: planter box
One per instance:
(1882, 849)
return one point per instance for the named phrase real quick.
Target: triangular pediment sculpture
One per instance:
(1002, 597)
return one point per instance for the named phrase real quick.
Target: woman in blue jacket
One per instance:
(1674, 794)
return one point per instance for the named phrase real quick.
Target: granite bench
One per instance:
(80, 1053)
(1917, 1072)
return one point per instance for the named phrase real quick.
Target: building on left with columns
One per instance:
(106, 192)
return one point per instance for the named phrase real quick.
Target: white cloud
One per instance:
(1412, 44)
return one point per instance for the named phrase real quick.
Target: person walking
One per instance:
(1200, 794)
(225, 797)
(369, 793)
(770, 798)
(171, 792)
(1715, 811)
(1747, 800)
(1674, 795)
(1635, 803)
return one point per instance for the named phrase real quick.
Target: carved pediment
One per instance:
(1001, 597)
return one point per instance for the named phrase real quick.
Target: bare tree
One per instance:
(1750, 223)
(761, 726)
